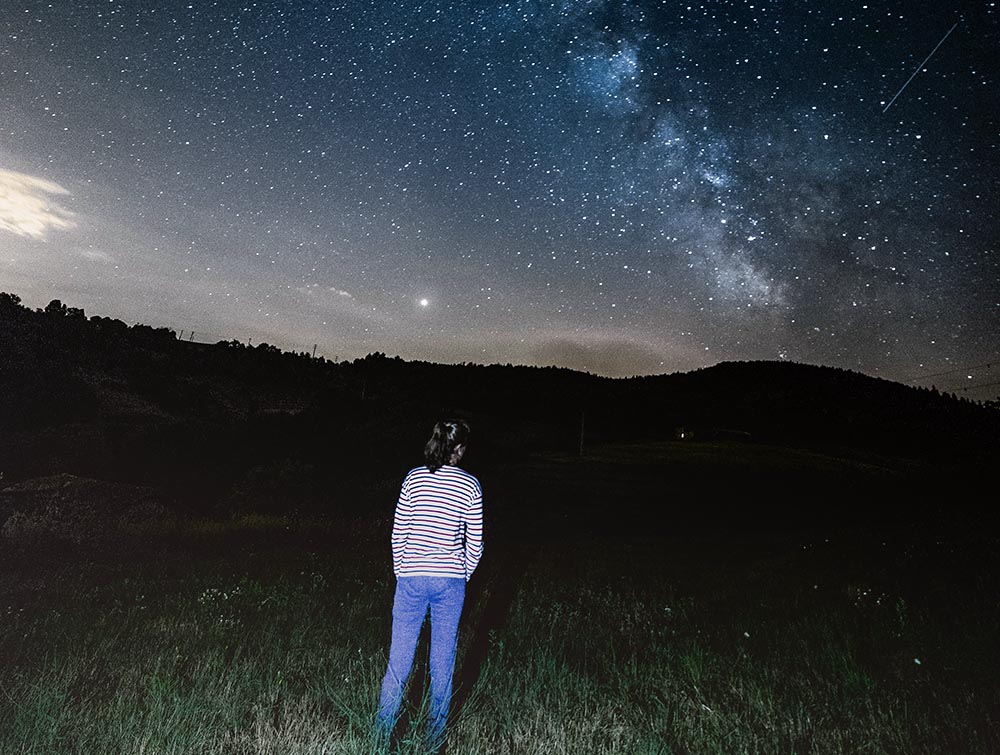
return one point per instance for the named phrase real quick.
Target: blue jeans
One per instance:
(444, 597)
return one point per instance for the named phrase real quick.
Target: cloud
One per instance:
(312, 289)
(602, 355)
(25, 208)
(96, 255)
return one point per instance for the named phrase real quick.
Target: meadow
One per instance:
(658, 625)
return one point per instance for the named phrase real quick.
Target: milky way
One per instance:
(619, 187)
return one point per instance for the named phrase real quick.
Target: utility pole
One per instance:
(583, 416)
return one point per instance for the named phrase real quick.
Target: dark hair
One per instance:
(448, 435)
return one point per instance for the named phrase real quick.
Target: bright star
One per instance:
(423, 302)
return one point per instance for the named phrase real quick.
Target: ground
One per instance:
(596, 623)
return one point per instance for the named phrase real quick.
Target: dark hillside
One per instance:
(793, 403)
(230, 427)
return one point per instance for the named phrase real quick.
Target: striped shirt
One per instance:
(438, 527)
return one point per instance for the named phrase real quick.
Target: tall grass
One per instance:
(261, 639)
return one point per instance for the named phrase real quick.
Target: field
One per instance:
(662, 623)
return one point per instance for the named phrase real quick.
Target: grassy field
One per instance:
(269, 635)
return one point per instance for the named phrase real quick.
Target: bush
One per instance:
(65, 508)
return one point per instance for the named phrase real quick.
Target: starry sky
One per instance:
(621, 187)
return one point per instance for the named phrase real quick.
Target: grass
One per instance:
(269, 635)
(210, 656)
(194, 660)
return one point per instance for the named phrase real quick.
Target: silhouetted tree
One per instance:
(171, 413)
(153, 336)
(9, 302)
(109, 324)
(55, 308)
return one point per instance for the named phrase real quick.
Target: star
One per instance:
(603, 186)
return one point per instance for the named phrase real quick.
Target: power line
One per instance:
(981, 385)
(956, 369)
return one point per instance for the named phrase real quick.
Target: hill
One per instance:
(230, 427)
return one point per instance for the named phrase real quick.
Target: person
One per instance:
(437, 542)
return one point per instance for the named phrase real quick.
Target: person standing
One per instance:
(437, 542)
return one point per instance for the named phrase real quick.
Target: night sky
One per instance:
(625, 188)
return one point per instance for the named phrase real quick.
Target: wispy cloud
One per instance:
(614, 355)
(96, 255)
(312, 289)
(26, 208)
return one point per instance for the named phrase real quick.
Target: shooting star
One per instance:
(920, 66)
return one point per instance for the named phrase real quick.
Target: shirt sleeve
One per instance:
(473, 532)
(401, 526)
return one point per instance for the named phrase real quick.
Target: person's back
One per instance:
(438, 526)
(437, 541)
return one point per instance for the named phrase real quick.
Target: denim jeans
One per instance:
(444, 597)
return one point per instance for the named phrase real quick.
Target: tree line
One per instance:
(229, 424)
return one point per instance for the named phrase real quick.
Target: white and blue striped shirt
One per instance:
(438, 527)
